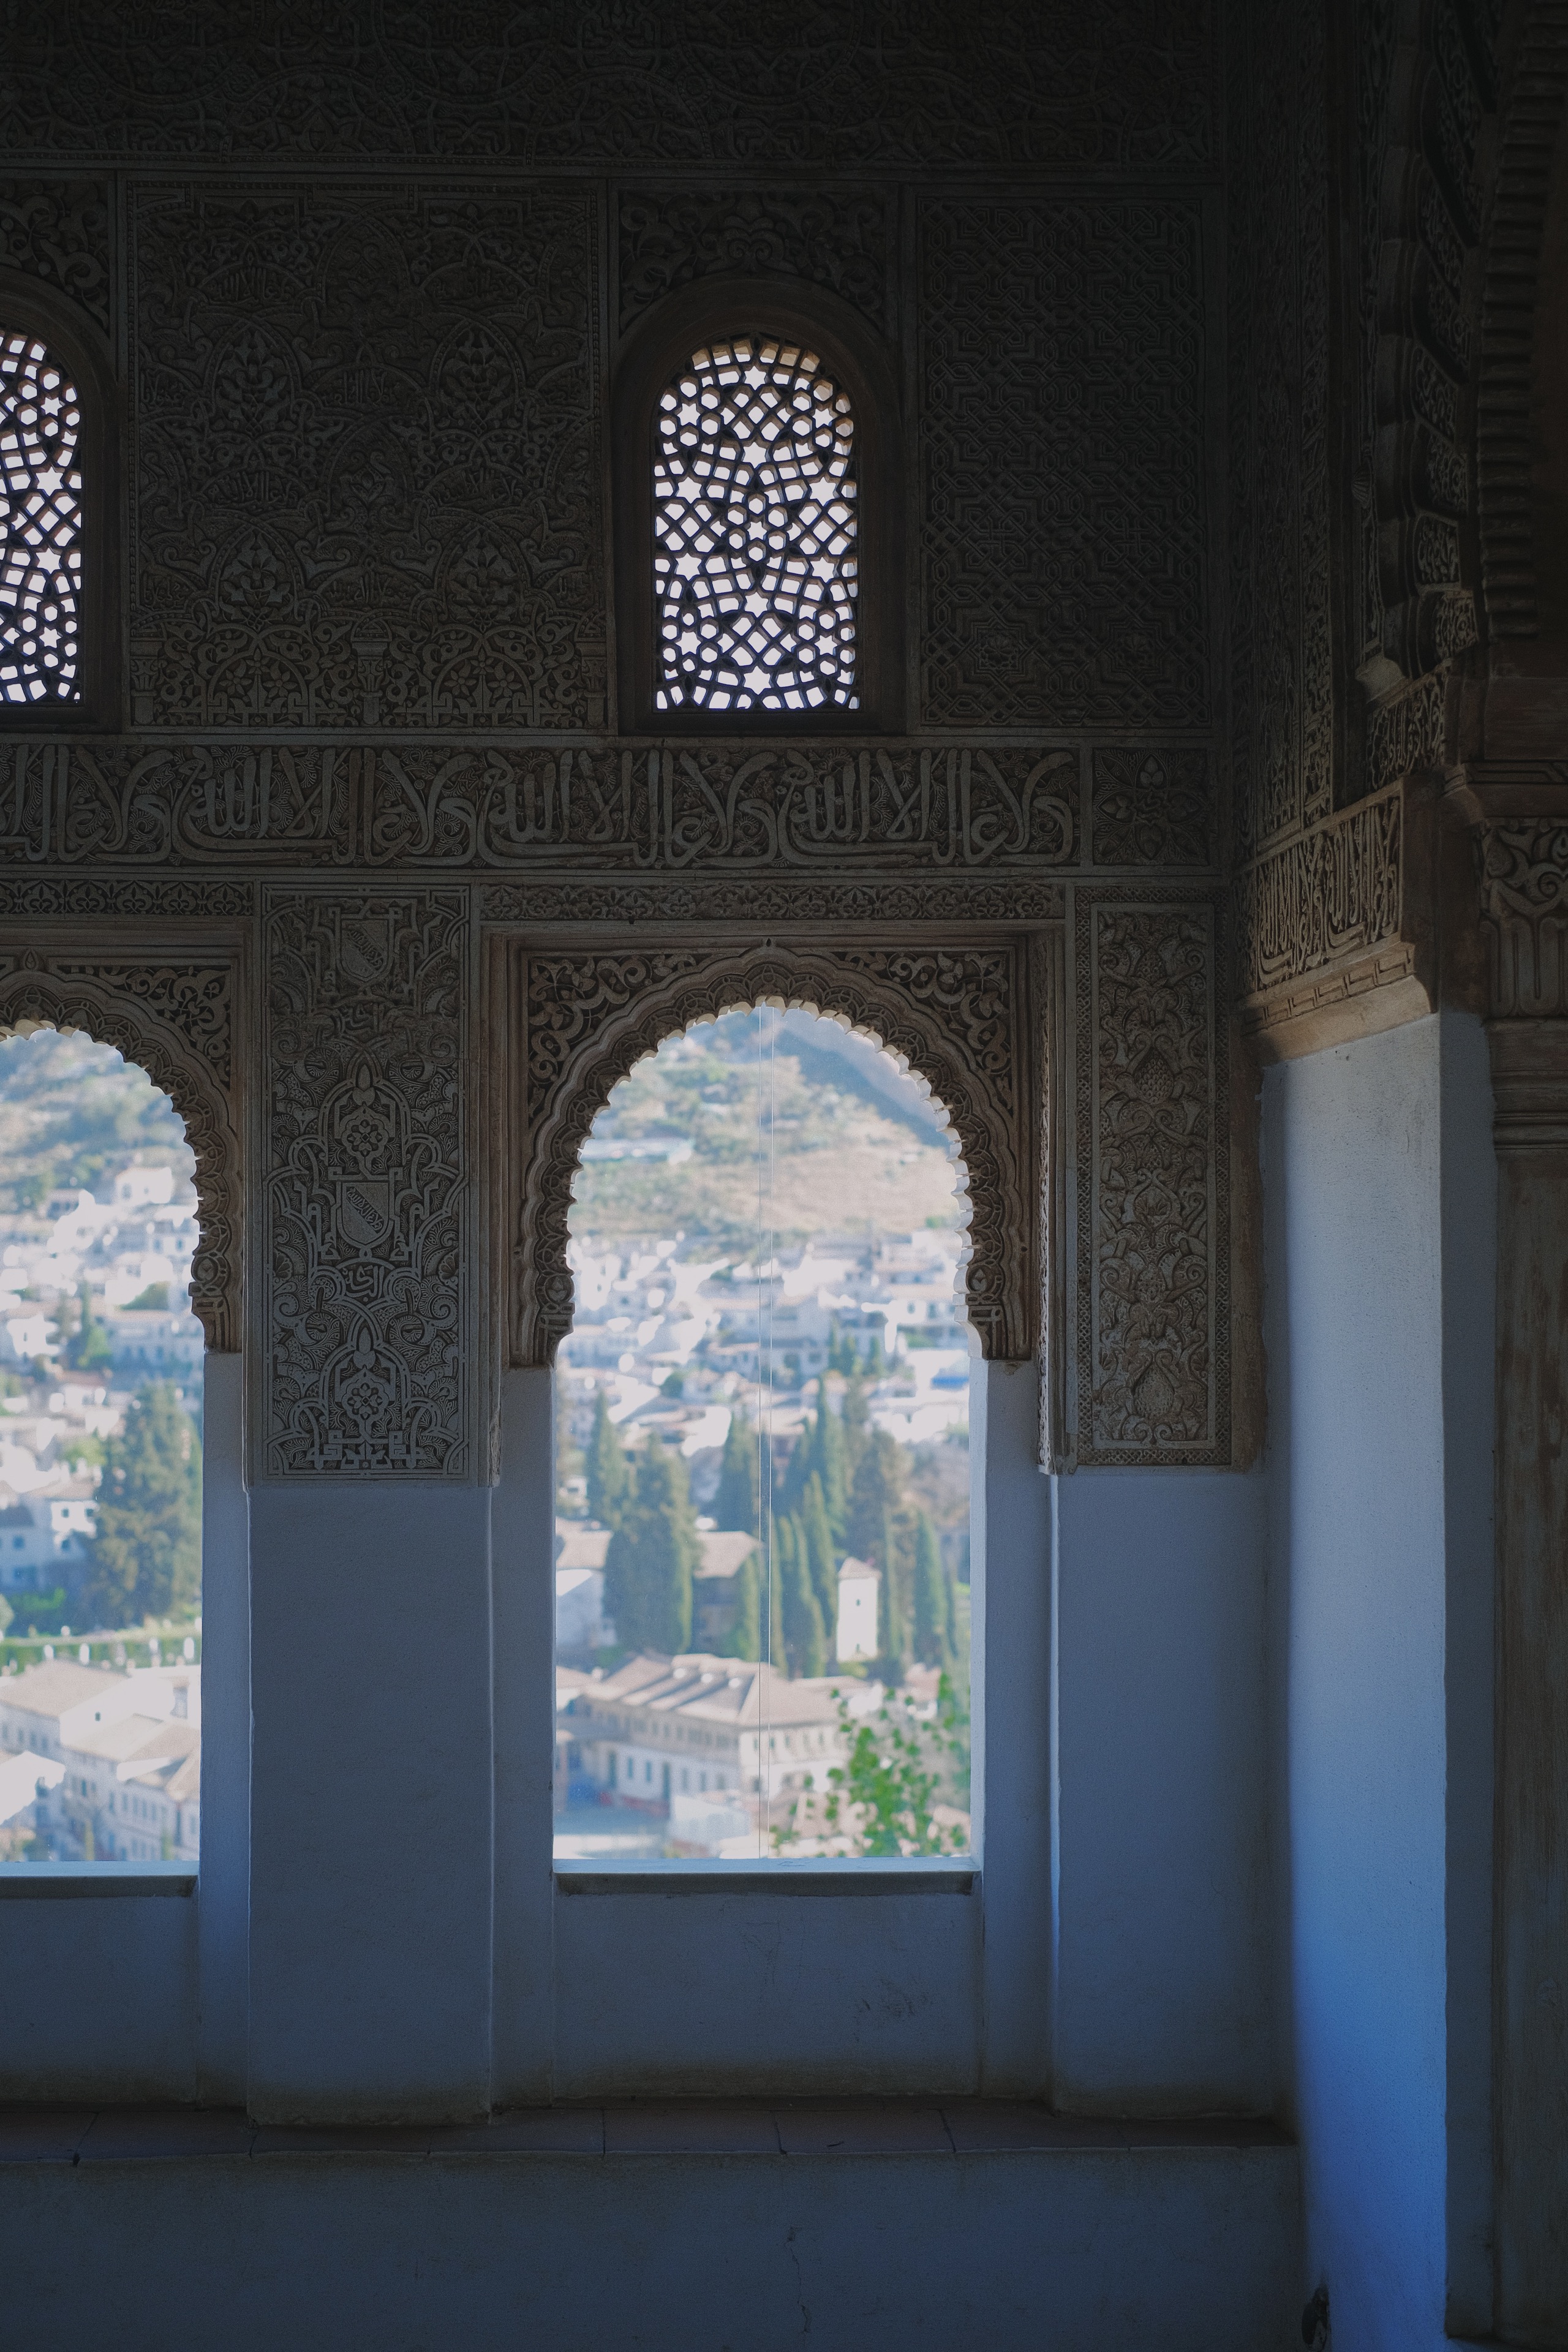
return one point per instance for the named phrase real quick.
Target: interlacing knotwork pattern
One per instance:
(40, 523)
(755, 532)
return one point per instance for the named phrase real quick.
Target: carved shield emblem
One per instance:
(364, 1211)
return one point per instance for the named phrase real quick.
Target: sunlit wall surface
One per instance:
(100, 1465)
(762, 1480)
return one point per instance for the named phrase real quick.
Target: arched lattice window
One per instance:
(40, 524)
(755, 532)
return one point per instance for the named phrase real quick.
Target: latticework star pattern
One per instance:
(755, 532)
(40, 524)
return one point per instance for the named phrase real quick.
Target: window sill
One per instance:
(891, 1876)
(63, 1880)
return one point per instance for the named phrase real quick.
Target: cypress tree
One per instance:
(932, 1634)
(87, 1350)
(652, 1554)
(853, 1422)
(894, 1627)
(805, 1645)
(608, 1472)
(735, 1503)
(146, 1558)
(877, 1493)
(817, 1536)
(744, 1639)
(829, 1460)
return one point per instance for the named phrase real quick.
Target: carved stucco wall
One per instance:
(1354, 552)
(368, 704)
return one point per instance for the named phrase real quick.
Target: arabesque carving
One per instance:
(366, 478)
(795, 900)
(754, 807)
(1153, 808)
(568, 84)
(58, 230)
(1282, 653)
(368, 1354)
(174, 1018)
(956, 1013)
(1523, 872)
(836, 237)
(1063, 540)
(1152, 1273)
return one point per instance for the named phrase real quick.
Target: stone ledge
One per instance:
(655, 2128)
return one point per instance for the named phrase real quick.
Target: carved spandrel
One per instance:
(368, 1364)
(59, 231)
(836, 237)
(349, 403)
(174, 1017)
(952, 1011)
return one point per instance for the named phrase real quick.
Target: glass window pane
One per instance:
(762, 1530)
(101, 1463)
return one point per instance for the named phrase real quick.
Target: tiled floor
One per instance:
(640, 2128)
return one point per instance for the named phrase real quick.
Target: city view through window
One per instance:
(100, 1464)
(763, 1646)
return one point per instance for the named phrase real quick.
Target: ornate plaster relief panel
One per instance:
(61, 231)
(1128, 87)
(174, 1013)
(364, 485)
(1063, 433)
(366, 1347)
(1146, 1274)
(843, 238)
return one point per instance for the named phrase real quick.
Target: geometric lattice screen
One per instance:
(40, 524)
(755, 532)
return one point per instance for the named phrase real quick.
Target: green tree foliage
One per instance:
(146, 1558)
(87, 1349)
(893, 1616)
(854, 1422)
(877, 1493)
(745, 1635)
(933, 1616)
(901, 1766)
(6, 1612)
(608, 1471)
(735, 1504)
(817, 1534)
(652, 1555)
(805, 1644)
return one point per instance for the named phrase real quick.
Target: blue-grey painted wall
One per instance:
(1380, 1221)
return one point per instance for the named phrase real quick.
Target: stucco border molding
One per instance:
(957, 1014)
(173, 1013)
